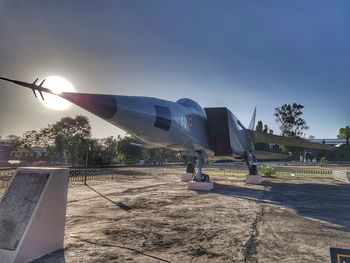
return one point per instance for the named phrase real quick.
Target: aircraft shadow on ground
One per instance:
(325, 202)
(56, 257)
(119, 204)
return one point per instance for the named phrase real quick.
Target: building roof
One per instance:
(329, 141)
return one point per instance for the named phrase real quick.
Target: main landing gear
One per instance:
(199, 176)
(251, 162)
(252, 177)
(200, 180)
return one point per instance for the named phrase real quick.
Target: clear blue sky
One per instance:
(236, 54)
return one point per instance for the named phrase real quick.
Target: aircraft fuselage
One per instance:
(181, 125)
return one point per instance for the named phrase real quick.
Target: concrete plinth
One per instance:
(33, 213)
(253, 179)
(202, 186)
(187, 177)
(342, 175)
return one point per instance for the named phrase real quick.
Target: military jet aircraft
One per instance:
(184, 126)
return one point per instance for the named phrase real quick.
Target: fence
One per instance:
(5, 177)
(281, 172)
(303, 172)
(242, 171)
(81, 176)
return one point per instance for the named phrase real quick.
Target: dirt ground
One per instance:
(156, 219)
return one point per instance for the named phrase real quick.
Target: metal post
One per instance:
(86, 164)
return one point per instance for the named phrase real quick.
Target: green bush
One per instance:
(268, 171)
(323, 161)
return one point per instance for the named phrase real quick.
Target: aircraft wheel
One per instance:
(190, 168)
(205, 178)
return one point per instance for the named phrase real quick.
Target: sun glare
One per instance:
(57, 85)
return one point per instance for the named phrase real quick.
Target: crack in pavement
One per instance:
(104, 244)
(250, 247)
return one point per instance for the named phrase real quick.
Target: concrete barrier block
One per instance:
(341, 175)
(202, 186)
(253, 179)
(187, 177)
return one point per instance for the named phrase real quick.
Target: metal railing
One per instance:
(303, 172)
(83, 176)
(97, 175)
(5, 177)
(281, 172)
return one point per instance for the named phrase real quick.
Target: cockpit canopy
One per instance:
(191, 104)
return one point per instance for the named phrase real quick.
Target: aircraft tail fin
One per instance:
(252, 121)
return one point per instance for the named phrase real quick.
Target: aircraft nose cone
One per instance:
(104, 106)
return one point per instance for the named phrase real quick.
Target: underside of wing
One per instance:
(145, 145)
(150, 146)
(263, 137)
(262, 155)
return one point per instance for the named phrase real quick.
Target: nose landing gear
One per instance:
(200, 176)
(251, 162)
(252, 177)
(200, 181)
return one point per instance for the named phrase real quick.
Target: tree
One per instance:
(25, 145)
(292, 125)
(95, 152)
(31, 140)
(70, 137)
(15, 141)
(289, 119)
(266, 129)
(260, 127)
(344, 133)
(109, 148)
(66, 140)
(127, 152)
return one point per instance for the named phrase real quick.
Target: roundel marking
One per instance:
(189, 121)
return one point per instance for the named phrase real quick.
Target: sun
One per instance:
(57, 85)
